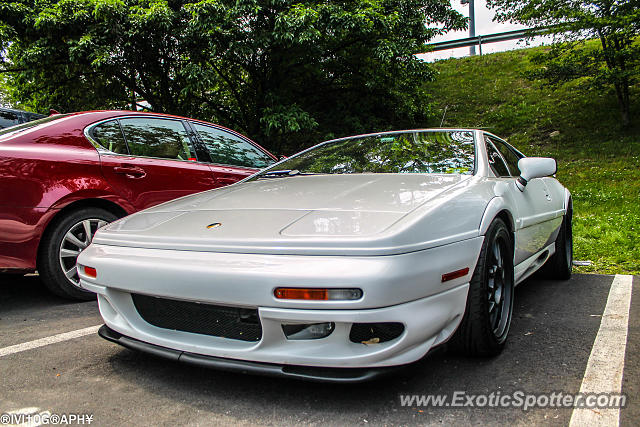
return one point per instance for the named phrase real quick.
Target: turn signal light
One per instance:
(318, 294)
(455, 274)
(90, 271)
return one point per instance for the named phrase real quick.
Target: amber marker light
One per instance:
(455, 274)
(317, 294)
(90, 272)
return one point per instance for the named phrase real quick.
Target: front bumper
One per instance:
(402, 289)
(428, 322)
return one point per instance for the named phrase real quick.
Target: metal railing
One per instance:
(489, 38)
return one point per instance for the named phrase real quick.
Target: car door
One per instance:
(536, 222)
(150, 160)
(232, 156)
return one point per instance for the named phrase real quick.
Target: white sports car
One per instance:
(357, 255)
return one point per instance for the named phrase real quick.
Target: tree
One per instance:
(286, 72)
(614, 23)
(4, 102)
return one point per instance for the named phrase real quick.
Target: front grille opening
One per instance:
(207, 319)
(373, 333)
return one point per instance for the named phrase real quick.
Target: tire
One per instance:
(560, 265)
(57, 249)
(485, 325)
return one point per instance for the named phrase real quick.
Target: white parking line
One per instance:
(12, 349)
(606, 362)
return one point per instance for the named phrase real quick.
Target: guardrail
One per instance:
(489, 38)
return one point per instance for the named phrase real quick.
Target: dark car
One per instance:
(11, 117)
(64, 176)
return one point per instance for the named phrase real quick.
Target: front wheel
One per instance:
(60, 247)
(487, 318)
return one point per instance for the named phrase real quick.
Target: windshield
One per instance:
(29, 125)
(440, 152)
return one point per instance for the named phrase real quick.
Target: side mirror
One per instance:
(535, 167)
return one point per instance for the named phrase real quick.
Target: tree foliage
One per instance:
(614, 23)
(286, 72)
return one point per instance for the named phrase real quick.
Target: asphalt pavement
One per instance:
(551, 339)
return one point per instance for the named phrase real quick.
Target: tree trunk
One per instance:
(133, 90)
(622, 87)
(626, 110)
(626, 120)
(622, 93)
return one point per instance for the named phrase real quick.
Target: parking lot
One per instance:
(553, 332)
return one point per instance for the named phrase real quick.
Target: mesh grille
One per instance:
(207, 319)
(383, 331)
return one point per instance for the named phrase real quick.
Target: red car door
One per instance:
(233, 157)
(150, 160)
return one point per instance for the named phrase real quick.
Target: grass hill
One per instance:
(597, 160)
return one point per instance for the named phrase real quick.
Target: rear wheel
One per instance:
(62, 244)
(560, 265)
(485, 325)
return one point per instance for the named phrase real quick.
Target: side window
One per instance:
(8, 118)
(228, 149)
(109, 136)
(495, 160)
(509, 156)
(163, 138)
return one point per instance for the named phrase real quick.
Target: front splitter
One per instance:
(307, 373)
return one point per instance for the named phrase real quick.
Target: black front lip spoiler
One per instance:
(330, 375)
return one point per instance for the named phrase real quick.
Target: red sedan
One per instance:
(64, 176)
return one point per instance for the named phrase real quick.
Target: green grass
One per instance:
(597, 160)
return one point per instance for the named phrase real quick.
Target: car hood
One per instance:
(315, 214)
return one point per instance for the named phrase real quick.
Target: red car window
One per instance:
(155, 137)
(109, 136)
(228, 149)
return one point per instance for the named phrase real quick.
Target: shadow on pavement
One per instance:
(19, 292)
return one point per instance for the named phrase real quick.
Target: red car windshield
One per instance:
(29, 125)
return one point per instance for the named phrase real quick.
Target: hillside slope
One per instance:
(597, 160)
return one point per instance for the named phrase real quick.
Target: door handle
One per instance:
(130, 171)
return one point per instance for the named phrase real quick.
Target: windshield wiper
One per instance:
(282, 173)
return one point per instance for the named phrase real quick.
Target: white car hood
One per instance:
(315, 214)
